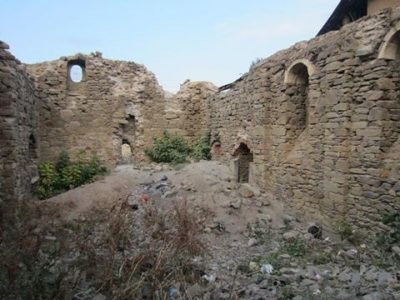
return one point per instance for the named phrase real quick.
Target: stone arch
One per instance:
(299, 72)
(242, 164)
(390, 48)
(297, 80)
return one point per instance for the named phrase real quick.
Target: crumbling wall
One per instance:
(194, 116)
(322, 121)
(117, 104)
(18, 136)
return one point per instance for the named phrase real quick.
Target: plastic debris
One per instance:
(173, 293)
(267, 269)
(209, 278)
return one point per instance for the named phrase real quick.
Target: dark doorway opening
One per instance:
(32, 148)
(244, 158)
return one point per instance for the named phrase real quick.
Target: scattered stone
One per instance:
(291, 235)
(396, 250)
(253, 266)
(352, 253)
(246, 191)
(195, 291)
(308, 236)
(99, 297)
(169, 194)
(374, 296)
(236, 204)
(252, 242)
(158, 168)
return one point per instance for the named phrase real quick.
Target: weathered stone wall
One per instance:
(18, 136)
(375, 6)
(116, 103)
(321, 119)
(194, 116)
(327, 144)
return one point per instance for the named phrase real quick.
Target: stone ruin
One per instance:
(317, 124)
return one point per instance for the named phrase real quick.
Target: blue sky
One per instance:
(212, 40)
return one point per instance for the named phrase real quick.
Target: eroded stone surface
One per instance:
(325, 142)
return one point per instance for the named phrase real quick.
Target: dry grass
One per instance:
(121, 253)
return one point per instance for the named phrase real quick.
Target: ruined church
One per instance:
(317, 124)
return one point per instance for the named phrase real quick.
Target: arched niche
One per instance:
(297, 80)
(242, 167)
(299, 72)
(390, 48)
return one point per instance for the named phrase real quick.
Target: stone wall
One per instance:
(116, 103)
(375, 6)
(19, 140)
(194, 115)
(322, 121)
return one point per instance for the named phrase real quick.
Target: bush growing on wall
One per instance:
(64, 174)
(168, 149)
(201, 149)
(176, 149)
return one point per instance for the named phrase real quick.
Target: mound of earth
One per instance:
(193, 233)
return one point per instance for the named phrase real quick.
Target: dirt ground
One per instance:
(256, 249)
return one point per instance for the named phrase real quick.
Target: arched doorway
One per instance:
(125, 139)
(244, 158)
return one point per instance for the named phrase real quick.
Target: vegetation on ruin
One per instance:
(176, 149)
(44, 257)
(392, 236)
(201, 149)
(65, 174)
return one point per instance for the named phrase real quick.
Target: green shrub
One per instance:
(176, 149)
(49, 181)
(168, 149)
(64, 174)
(62, 161)
(201, 149)
(392, 236)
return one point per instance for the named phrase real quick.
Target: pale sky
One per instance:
(211, 40)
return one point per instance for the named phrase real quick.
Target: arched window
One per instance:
(245, 157)
(390, 48)
(76, 70)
